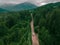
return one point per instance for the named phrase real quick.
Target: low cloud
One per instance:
(12, 1)
(32, 1)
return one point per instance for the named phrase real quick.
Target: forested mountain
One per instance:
(19, 7)
(3, 10)
(24, 6)
(47, 23)
(15, 26)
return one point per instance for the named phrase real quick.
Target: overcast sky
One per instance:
(38, 2)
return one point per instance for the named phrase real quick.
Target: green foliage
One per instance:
(47, 25)
(15, 26)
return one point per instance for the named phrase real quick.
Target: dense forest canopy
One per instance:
(15, 26)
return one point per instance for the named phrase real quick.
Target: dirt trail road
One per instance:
(34, 36)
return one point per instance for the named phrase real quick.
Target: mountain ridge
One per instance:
(22, 6)
(3, 10)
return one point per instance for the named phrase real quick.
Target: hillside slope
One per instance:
(19, 7)
(15, 27)
(3, 10)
